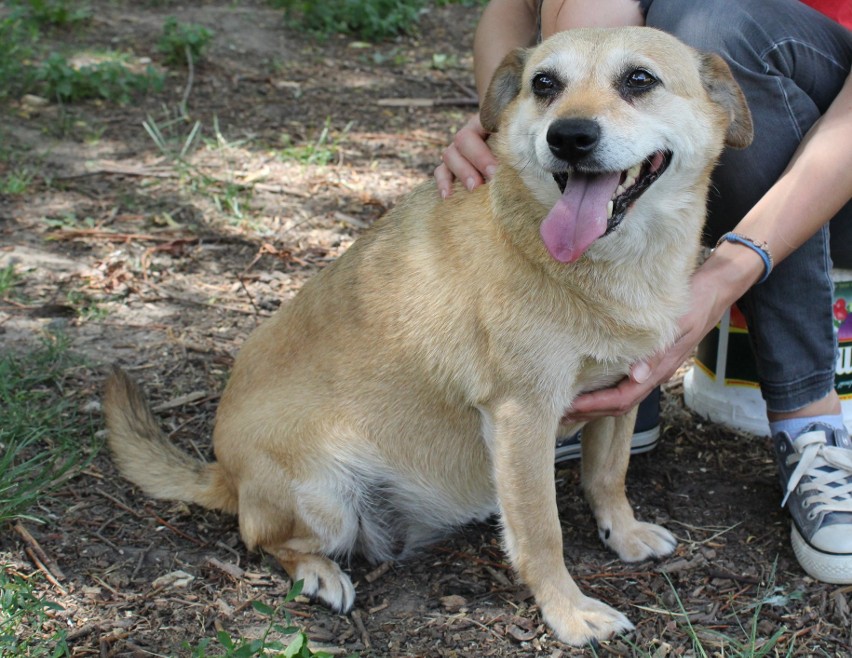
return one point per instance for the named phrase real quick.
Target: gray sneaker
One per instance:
(816, 475)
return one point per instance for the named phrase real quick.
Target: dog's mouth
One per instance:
(593, 204)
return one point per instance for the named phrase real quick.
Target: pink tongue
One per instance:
(579, 217)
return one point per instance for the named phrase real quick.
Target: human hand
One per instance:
(468, 159)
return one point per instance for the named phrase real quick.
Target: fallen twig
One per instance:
(43, 557)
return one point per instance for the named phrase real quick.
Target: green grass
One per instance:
(24, 616)
(323, 150)
(53, 13)
(44, 436)
(26, 67)
(749, 643)
(372, 20)
(16, 182)
(18, 38)
(9, 278)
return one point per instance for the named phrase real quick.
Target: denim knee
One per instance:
(791, 328)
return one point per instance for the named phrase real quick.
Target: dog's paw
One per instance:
(639, 541)
(324, 580)
(589, 621)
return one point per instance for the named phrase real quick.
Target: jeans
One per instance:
(790, 61)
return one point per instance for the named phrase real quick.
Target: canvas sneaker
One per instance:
(816, 475)
(646, 431)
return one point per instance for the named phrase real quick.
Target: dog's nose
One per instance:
(573, 139)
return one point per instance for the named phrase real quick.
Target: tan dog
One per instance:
(417, 383)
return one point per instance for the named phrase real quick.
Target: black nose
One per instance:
(573, 139)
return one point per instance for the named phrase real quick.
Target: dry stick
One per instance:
(359, 624)
(378, 572)
(37, 549)
(175, 530)
(251, 300)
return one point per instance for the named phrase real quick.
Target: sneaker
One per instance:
(646, 431)
(816, 475)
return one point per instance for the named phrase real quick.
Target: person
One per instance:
(769, 215)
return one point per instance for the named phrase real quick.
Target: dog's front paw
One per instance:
(639, 541)
(586, 622)
(324, 580)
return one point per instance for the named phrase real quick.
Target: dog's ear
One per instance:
(724, 90)
(505, 85)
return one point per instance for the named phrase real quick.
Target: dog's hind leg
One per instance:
(322, 578)
(606, 453)
(301, 535)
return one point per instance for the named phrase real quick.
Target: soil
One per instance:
(164, 263)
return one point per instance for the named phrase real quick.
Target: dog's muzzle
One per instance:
(593, 202)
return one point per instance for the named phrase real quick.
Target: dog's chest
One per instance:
(582, 356)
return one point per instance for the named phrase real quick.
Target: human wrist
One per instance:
(759, 247)
(728, 273)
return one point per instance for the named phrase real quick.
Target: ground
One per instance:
(161, 246)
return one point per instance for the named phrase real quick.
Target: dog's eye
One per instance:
(545, 85)
(639, 80)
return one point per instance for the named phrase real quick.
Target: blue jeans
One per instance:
(791, 62)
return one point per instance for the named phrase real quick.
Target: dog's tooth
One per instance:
(609, 208)
(620, 189)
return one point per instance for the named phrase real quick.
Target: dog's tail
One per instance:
(147, 458)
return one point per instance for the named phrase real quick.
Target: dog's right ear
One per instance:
(505, 85)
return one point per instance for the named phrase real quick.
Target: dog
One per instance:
(417, 383)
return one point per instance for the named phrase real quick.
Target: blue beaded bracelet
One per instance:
(760, 248)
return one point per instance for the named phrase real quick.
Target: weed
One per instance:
(373, 20)
(750, 646)
(87, 308)
(16, 182)
(23, 617)
(170, 139)
(182, 41)
(110, 80)
(18, 37)
(57, 13)
(266, 644)
(9, 278)
(324, 150)
(40, 428)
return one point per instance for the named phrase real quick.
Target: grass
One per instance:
(9, 278)
(24, 616)
(372, 20)
(25, 67)
(324, 150)
(40, 427)
(750, 643)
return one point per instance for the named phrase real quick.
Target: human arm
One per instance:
(503, 26)
(815, 185)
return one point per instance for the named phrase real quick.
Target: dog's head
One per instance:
(599, 123)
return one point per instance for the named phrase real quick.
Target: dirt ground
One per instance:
(164, 264)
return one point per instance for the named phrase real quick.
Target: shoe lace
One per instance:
(829, 471)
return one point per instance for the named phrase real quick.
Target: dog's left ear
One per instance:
(724, 90)
(505, 85)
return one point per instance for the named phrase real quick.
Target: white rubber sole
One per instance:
(641, 442)
(825, 567)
